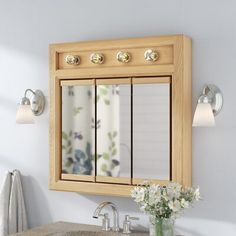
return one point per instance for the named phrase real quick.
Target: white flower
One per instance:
(184, 203)
(138, 194)
(196, 194)
(173, 190)
(174, 205)
(164, 202)
(154, 194)
(165, 196)
(143, 207)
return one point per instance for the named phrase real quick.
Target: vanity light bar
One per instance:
(121, 56)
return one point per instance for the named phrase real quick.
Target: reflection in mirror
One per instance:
(78, 129)
(151, 132)
(114, 130)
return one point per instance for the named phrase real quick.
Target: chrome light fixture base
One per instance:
(212, 94)
(36, 102)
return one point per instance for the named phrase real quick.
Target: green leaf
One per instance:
(113, 166)
(88, 150)
(64, 135)
(68, 163)
(104, 167)
(107, 102)
(106, 156)
(70, 134)
(103, 91)
(109, 135)
(114, 152)
(115, 134)
(77, 110)
(69, 151)
(114, 163)
(113, 144)
(68, 143)
(63, 147)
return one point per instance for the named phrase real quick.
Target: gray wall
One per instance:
(26, 29)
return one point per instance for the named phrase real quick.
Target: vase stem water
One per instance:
(161, 227)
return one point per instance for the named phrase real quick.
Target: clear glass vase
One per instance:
(161, 227)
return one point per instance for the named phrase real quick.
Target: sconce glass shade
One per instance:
(203, 115)
(24, 115)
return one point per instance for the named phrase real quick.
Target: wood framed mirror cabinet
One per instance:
(120, 113)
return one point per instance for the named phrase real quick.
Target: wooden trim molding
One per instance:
(114, 180)
(113, 81)
(88, 178)
(152, 80)
(77, 82)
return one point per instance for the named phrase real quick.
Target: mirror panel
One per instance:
(114, 130)
(78, 128)
(151, 131)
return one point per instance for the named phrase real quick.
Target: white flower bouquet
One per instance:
(164, 202)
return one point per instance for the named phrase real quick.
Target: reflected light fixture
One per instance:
(209, 105)
(29, 108)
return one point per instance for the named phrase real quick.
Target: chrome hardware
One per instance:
(151, 55)
(127, 224)
(105, 222)
(124, 57)
(37, 101)
(97, 211)
(212, 94)
(72, 60)
(97, 58)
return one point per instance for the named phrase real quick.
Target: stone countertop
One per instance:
(63, 227)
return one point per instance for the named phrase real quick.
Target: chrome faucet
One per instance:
(97, 211)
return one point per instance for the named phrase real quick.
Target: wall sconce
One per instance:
(209, 105)
(30, 107)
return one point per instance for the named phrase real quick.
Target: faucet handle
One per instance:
(132, 217)
(127, 224)
(105, 222)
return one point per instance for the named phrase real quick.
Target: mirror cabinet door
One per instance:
(113, 137)
(151, 129)
(117, 131)
(78, 130)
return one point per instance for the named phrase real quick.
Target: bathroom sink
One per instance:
(83, 233)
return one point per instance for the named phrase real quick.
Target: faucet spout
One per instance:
(115, 214)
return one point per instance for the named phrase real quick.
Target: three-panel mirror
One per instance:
(116, 130)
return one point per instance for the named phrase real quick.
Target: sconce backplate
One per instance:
(214, 96)
(37, 102)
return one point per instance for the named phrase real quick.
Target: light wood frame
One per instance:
(175, 61)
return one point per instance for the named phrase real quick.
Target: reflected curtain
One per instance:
(108, 135)
(78, 130)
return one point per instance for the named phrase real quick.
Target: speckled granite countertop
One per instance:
(64, 227)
